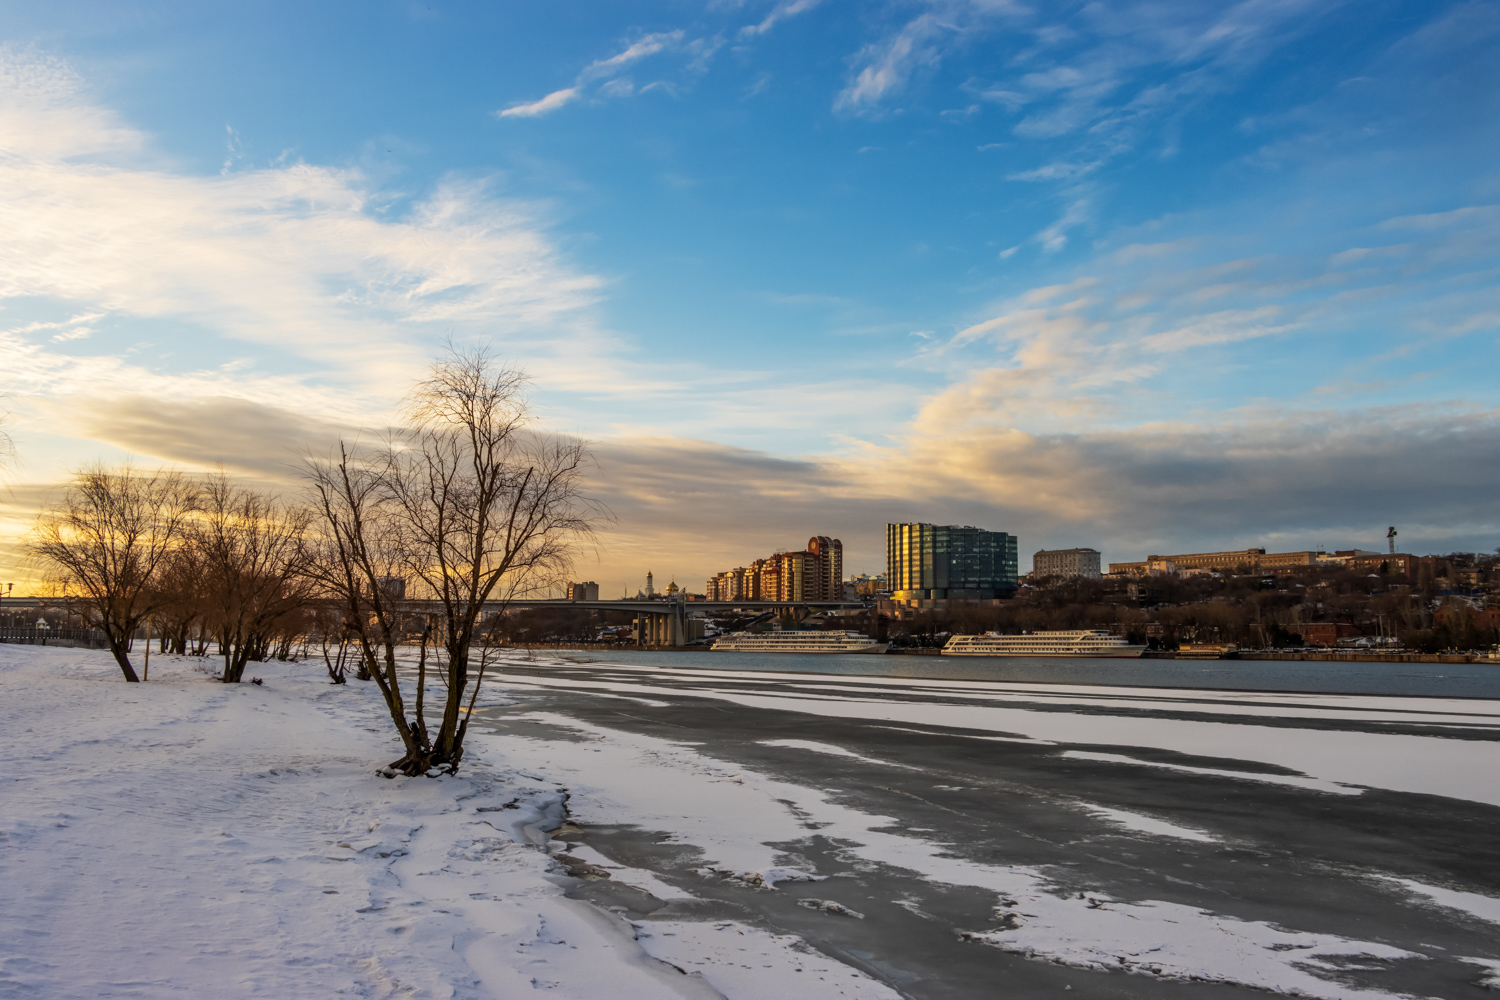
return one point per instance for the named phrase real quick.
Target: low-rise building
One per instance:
(1387, 564)
(1212, 561)
(1326, 633)
(1066, 562)
(1261, 561)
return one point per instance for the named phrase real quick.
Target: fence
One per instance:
(88, 638)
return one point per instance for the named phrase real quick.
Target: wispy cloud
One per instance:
(297, 258)
(41, 115)
(887, 65)
(1162, 330)
(1100, 73)
(781, 12)
(1055, 237)
(74, 327)
(602, 75)
(1056, 172)
(551, 102)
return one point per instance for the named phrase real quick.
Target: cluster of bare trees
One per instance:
(197, 561)
(418, 541)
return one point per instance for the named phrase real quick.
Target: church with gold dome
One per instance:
(652, 594)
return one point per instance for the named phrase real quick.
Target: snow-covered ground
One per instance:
(187, 838)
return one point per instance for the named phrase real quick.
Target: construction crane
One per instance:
(1390, 538)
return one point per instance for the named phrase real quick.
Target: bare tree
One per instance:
(358, 555)
(180, 585)
(251, 546)
(475, 508)
(107, 541)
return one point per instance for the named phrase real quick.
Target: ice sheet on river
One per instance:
(733, 814)
(1297, 738)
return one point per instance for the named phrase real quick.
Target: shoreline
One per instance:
(1329, 656)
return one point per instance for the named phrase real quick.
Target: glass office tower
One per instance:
(949, 562)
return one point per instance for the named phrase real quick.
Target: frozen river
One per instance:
(1102, 828)
(1454, 680)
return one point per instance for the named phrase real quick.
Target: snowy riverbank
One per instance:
(187, 838)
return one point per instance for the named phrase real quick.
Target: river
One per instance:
(1444, 680)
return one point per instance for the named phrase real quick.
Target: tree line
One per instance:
(422, 535)
(1421, 613)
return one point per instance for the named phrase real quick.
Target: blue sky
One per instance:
(1145, 276)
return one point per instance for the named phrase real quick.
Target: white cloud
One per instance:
(1483, 215)
(1012, 100)
(298, 258)
(1227, 327)
(1056, 172)
(73, 328)
(551, 102)
(296, 287)
(888, 64)
(648, 45)
(1100, 73)
(606, 70)
(1055, 236)
(783, 10)
(43, 113)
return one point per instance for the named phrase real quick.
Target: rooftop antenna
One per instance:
(1390, 537)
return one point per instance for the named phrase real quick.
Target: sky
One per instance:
(1150, 277)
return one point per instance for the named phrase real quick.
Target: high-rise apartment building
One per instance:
(1066, 562)
(583, 591)
(949, 562)
(829, 553)
(812, 574)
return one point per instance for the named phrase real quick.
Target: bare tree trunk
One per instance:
(121, 652)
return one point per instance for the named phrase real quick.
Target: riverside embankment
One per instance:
(1330, 655)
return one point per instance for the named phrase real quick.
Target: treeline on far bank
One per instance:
(1443, 605)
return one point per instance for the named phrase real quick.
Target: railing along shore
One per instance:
(87, 638)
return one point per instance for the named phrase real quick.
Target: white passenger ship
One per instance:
(1080, 642)
(797, 642)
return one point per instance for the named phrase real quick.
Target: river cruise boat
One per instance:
(1079, 642)
(797, 642)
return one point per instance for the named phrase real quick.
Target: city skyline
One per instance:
(1148, 278)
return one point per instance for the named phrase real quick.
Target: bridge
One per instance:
(664, 622)
(657, 622)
